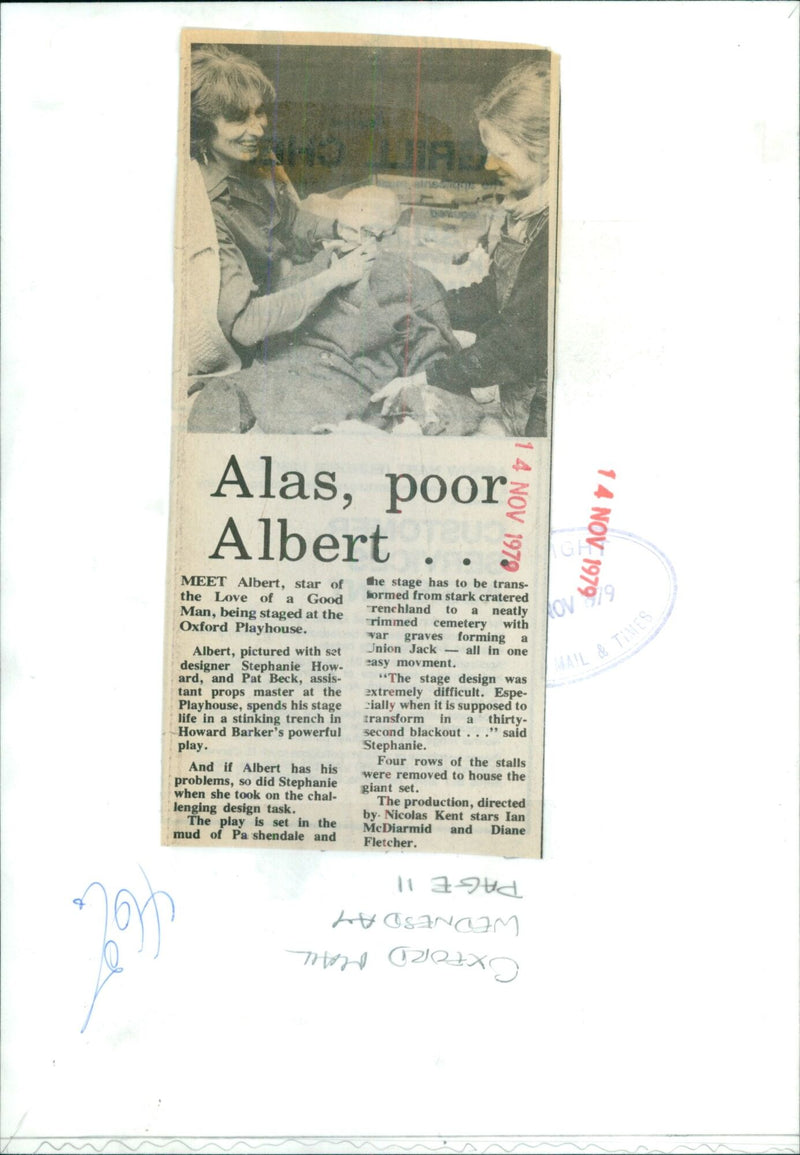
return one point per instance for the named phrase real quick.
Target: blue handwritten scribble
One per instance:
(118, 918)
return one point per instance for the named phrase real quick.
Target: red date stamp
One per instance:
(597, 530)
(516, 508)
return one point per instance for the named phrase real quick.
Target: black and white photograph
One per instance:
(368, 239)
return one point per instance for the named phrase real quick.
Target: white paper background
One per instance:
(658, 997)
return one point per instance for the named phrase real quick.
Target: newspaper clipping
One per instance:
(357, 593)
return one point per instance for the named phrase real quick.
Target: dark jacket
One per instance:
(511, 325)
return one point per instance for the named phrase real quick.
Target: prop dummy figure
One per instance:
(391, 320)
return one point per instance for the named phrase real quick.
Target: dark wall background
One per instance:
(343, 114)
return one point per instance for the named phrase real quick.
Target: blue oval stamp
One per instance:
(634, 599)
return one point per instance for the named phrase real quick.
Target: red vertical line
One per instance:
(304, 126)
(411, 215)
(273, 166)
(371, 161)
(373, 106)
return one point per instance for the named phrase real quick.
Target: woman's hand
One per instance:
(392, 392)
(351, 268)
(349, 425)
(348, 234)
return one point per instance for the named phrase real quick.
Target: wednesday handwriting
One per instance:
(502, 968)
(466, 924)
(124, 914)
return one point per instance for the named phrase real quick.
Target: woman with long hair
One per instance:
(508, 309)
(260, 224)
